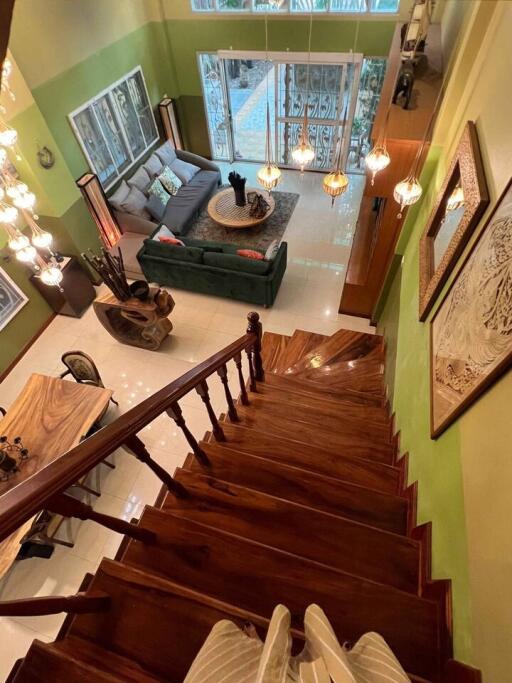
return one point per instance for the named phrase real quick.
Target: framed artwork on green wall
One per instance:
(12, 299)
(471, 332)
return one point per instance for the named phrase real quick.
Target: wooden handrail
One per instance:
(22, 502)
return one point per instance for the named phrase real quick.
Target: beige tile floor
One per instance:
(319, 240)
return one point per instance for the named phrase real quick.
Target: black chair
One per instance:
(83, 369)
(2, 411)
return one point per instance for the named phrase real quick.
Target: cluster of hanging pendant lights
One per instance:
(21, 201)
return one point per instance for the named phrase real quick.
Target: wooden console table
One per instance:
(134, 322)
(52, 416)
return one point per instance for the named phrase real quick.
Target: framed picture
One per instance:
(12, 299)
(471, 332)
(460, 204)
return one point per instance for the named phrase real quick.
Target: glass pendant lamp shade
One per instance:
(8, 137)
(26, 255)
(25, 201)
(456, 199)
(303, 153)
(17, 240)
(269, 176)
(3, 156)
(42, 239)
(51, 275)
(407, 192)
(377, 160)
(16, 190)
(335, 183)
(8, 214)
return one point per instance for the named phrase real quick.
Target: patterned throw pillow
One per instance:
(171, 240)
(157, 189)
(170, 180)
(250, 253)
(272, 250)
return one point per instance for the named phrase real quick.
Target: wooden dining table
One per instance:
(51, 415)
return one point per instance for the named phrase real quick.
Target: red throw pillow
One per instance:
(171, 240)
(250, 253)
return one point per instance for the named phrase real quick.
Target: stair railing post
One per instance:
(67, 506)
(176, 414)
(202, 390)
(138, 448)
(255, 327)
(243, 391)
(223, 374)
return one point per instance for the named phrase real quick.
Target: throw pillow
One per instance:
(250, 253)
(135, 203)
(153, 166)
(184, 170)
(156, 207)
(171, 240)
(119, 195)
(140, 179)
(372, 660)
(275, 657)
(159, 191)
(170, 180)
(163, 231)
(166, 153)
(272, 250)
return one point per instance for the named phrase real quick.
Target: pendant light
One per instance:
(378, 157)
(303, 153)
(268, 175)
(336, 182)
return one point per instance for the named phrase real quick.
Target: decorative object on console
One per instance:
(110, 268)
(237, 182)
(460, 204)
(12, 299)
(168, 115)
(76, 292)
(92, 191)
(137, 323)
(471, 332)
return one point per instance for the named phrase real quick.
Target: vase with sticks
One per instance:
(238, 184)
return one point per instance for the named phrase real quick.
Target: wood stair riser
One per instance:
(347, 467)
(337, 497)
(258, 577)
(273, 346)
(352, 547)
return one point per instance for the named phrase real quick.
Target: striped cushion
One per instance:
(323, 644)
(373, 661)
(227, 656)
(275, 658)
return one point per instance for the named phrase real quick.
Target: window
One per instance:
(297, 6)
(116, 127)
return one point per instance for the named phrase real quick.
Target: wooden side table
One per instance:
(77, 291)
(137, 323)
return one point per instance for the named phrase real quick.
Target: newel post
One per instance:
(255, 327)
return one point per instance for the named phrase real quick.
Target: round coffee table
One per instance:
(223, 210)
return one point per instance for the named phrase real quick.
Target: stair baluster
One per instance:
(138, 448)
(255, 327)
(202, 390)
(223, 374)
(252, 373)
(67, 506)
(176, 413)
(243, 391)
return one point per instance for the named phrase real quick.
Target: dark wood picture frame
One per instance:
(466, 165)
(502, 363)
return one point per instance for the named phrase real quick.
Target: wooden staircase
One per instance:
(301, 499)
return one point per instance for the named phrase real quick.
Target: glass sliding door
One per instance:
(216, 106)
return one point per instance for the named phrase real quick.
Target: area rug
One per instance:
(258, 237)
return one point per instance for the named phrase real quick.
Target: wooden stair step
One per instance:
(75, 659)
(341, 498)
(359, 375)
(272, 346)
(353, 547)
(301, 343)
(160, 625)
(257, 577)
(341, 347)
(357, 444)
(323, 404)
(319, 390)
(309, 456)
(350, 419)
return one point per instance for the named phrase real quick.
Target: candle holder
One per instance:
(12, 454)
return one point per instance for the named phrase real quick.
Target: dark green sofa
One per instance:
(213, 268)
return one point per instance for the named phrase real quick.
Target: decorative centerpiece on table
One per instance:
(12, 454)
(238, 184)
(259, 206)
(134, 314)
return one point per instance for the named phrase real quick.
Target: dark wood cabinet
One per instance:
(76, 293)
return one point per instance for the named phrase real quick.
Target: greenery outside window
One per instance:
(298, 6)
(116, 127)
